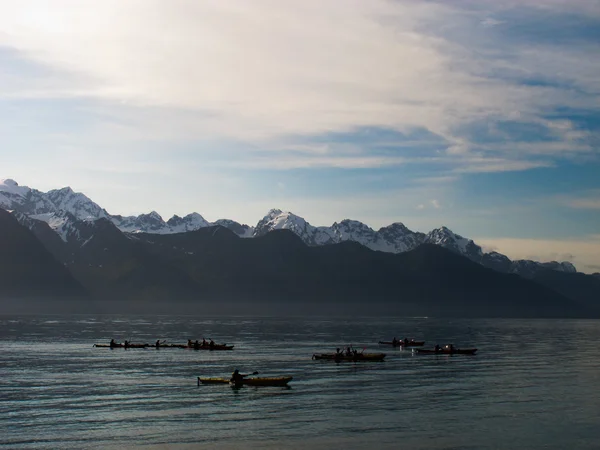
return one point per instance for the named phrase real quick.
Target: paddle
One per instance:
(248, 374)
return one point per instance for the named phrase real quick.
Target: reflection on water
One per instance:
(532, 384)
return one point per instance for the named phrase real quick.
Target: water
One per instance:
(533, 384)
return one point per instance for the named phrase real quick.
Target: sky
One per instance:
(480, 115)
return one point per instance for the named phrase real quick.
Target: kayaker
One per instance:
(394, 341)
(237, 377)
(405, 341)
(437, 348)
(348, 351)
(196, 344)
(113, 343)
(190, 344)
(204, 342)
(126, 344)
(157, 343)
(211, 344)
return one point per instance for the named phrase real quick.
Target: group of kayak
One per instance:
(195, 345)
(238, 379)
(448, 349)
(349, 354)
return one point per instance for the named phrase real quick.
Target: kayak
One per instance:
(193, 347)
(357, 357)
(446, 351)
(209, 347)
(123, 345)
(256, 381)
(402, 344)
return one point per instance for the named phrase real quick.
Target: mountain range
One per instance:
(287, 263)
(62, 208)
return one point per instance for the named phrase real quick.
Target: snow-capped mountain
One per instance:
(283, 220)
(458, 244)
(153, 223)
(241, 230)
(35, 203)
(23, 199)
(144, 223)
(71, 214)
(400, 237)
(497, 261)
(60, 205)
(191, 222)
(395, 238)
(76, 204)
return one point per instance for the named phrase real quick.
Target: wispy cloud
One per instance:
(587, 200)
(483, 165)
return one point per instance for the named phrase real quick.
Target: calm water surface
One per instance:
(533, 384)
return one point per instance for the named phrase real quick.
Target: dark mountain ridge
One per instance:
(213, 269)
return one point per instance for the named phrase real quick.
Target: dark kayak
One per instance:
(123, 345)
(403, 344)
(447, 351)
(344, 357)
(210, 347)
(255, 381)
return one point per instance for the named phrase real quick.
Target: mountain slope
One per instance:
(279, 271)
(27, 268)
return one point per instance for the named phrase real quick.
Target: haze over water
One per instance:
(533, 384)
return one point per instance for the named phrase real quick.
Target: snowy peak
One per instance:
(400, 238)
(396, 228)
(191, 222)
(144, 223)
(283, 220)
(242, 230)
(76, 203)
(564, 266)
(444, 237)
(353, 230)
(153, 223)
(10, 186)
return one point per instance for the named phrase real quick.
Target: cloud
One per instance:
(585, 203)
(587, 200)
(287, 162)
(256, 72)
(435, 203)
(482, 165)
